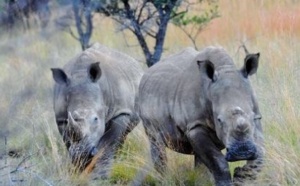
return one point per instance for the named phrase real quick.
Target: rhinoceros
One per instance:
(94, 105)
(198, 102)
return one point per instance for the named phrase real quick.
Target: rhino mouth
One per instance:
(81, 156)
(241, 151)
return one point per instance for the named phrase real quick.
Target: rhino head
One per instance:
(84, 108)
(235, 111)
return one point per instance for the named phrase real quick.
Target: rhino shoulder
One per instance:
(181, 55)
(217, 55)
(112, 58)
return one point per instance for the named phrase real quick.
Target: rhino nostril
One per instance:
(242, 127)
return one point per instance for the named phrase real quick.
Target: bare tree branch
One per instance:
(72, 34)
(123, 24)
(83, 21)
(141, 10)
(136, 29)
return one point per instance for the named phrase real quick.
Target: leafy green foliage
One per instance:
(193, 23)
(184, 19)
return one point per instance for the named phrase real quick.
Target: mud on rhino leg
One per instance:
(252, 168)
(114, 137)
(248, 172)
(210, 155)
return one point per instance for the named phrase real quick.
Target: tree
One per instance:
(83, 14)
(83, 18)
(150, 18)
(192, 25)
(146, 19)
(13, 12)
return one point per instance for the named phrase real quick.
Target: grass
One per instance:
(27, 119)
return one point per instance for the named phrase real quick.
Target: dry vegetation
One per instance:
(28, 130)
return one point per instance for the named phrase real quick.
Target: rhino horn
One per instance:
(71, 119)
(72, 124)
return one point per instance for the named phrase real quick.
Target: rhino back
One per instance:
(119, 80)
(173, 91)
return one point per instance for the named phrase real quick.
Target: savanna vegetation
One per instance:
(32, 151)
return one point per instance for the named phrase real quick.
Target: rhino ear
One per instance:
(250, 64)
(59, 76)
(208, 68)
(94, 72)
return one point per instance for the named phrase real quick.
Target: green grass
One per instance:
(27, 118)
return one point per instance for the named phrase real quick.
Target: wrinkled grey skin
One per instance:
(94, 101)
(199, 103)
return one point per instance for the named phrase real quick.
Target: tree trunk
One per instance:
(84, 37)
(164, 17)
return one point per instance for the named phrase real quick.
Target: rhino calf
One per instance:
(199, 103)
(94, 105)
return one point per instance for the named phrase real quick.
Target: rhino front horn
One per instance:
(70, 118)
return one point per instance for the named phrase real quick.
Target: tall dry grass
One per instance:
(27, 120)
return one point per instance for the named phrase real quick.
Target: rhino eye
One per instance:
(219, 119)
(95, 120)
(61, 122)
(77, 120)
(68, 144)
(257, 117)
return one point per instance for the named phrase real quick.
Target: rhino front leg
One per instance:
(198, 161)
(112, 140)
(210, 155)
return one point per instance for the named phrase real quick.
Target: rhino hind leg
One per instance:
(111, 141)
(158, 155)
(157, 147)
